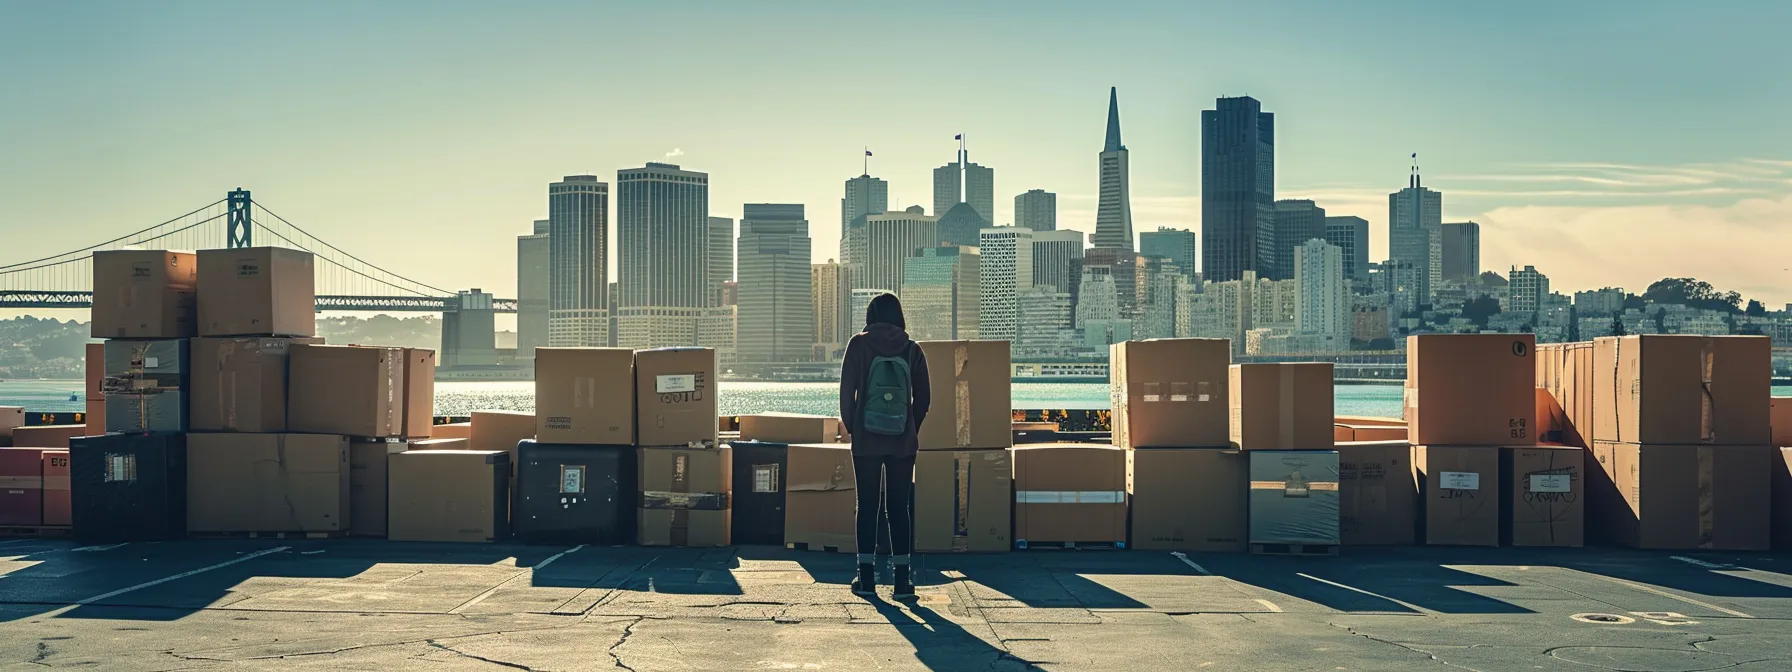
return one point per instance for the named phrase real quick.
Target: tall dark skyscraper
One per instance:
(578, 261)
(1415, 233)
(1113, 214)
(662, 227)
(865, 195)
(1297, 221)
(1177, 245)
(1350, 234)
(1462, 250)
(776, 298)
(964, 182)
(1238, 192)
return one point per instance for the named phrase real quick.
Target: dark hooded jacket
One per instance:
(882, 339)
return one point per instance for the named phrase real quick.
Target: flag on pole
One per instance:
(958, 137)
(867, 152)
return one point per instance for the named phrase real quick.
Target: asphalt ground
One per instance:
(377, 605)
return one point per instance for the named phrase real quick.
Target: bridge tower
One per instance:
(240, 226)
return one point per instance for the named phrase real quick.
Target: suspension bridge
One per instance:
(345, 282)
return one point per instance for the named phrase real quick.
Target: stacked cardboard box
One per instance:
(1467, 398)
(963, 497)
(764, 476)
(11, 418)
(575, 479)
(685, 475)
(1069, 493)
(1281, 415)
(821, 497)
(448, 495)
(1377, 496)
(1171, 403)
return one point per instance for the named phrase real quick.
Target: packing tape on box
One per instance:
(961, 396)
(1296, 488)
(1706, 491)
(1070, 497)
(684, 501)
(1285, 392)
(1707, 415)
(226, 388)
(21, 482)
(584, 393)
(961, 501)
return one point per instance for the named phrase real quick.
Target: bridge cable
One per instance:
(8, 270)
(125, 237)
(333, 262)
(264, 208)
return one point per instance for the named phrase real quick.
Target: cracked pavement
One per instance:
(368, 604)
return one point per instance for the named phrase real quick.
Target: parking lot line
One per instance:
(180, 576)
(1671, 596)
(1184, 558)
(1415, 608)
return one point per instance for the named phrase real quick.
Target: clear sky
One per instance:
(1608, 143)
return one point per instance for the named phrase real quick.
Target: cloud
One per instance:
(675, 153)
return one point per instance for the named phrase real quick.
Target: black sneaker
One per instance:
(905, 585)
(866, 582)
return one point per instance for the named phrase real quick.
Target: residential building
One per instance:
(721, 257)
(865, 195)
(1055, 254)
(1037, 210)
(1238, 177)
(776, 301)
(1177, 245)
(1415, 233)
(964, 182)
(830, 294)
(1461, 251)
(1351, 235)
(1113, 214)
(1005, 269)
(1297, 221)
(890, 239)
(534, 258)
(1157, 308)
(940, 293)
(578, 261)
(1325, 310)
(1526, 290)
(1601, 302)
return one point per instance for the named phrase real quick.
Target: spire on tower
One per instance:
(1414, 180)
(1113, 144)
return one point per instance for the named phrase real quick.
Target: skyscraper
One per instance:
(1122, 266)
(1113, 214)
(1099, 315)
(721, 257)
(1238, 178)
(1462, 250)
(777, 322)
(1415, 233)
(578, 261)
(1177, 245)
(1037, 210)
(533, 257)
(662, 218)
(1350, 234)
(964, 182)
(1004, 271)
(1324, 311)
(1297, 221)
(1053, 255)
(939, 293)
(891, 238)
(1526, 290)
(830, 290)
(865, 195)
(960, 225)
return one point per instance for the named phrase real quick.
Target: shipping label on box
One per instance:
(1543, 502)
(1460, 496)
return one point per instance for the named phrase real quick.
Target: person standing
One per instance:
(883, 401)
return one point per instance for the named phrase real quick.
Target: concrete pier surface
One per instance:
(376, 605)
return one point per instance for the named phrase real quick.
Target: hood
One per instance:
(886, 339)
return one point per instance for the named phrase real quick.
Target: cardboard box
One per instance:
(438, 444)
(1552, 419)
(419, 393)
(96, 371)
(11, 417)
(1687, 497)
(1780, 412)
(144, 293)
(257, 291)
(1280, 406)
(95, 415)
(675, 397)
(790, 428)
(1069, 493)
(344, 389)
(58, 497)
(821, 497)
(1471, 389)
(267, 483)
(686, 496)
(1571, 379)
(48, 436)
(1781, 488)
(448, 495)
(585, 395)
(452, 430)
(500, 430)
(239, 384)
(577, 494)
(1170, 392)
(1543, 501)
(368, 465)
(1358, 433)
(968, 383)
(1459, 490)
(1294, 497)
(1369, 420)
(964, 501)
(146, 385)
(22, 486)
(1187, 499)
(1378, 497)
(1684, 390)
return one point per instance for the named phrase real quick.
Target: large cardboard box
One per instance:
(790, 428)
(821, 497)
(49, 436)
(1378, 497)
(585, 395)
(964, 501)
(144, 293)
(1170, 392)
(1369, 420)
(1781, 419)
(1552, 419)
(501, 430)
(419, 392)
(368, 465)
(1688, 497)
(239, 384)
(11, 417)
(452, 430)
(345, 389)
(1471, 389)
(1781, 488)
(1459, 496)
(1343, 432)
(1280, 406)
(1671, 389)
(438, 444)
(448, 495)
(968, 383)
(1294, 497)
(96, 371)
(22, 486)
(1069, 493)
(675, 397)
(257, 291)
(58, 498)
(147, 387)
(686, 496)
(1543, 501)
(1187, 499)
(267, 483)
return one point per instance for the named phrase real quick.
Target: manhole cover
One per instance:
(1603, 618)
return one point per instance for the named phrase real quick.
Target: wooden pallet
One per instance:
(806, 546)
(1024, 545)
(1294, 549)
(45, 531)
(267, 535)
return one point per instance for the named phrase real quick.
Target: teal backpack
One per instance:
(887, 394)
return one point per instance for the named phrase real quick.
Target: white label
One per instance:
(683, 382)
(1549, 482)
(149, 362)
(1203, 398)
(765, 478)
(572, 480)
(1459, 480)
(1178, 397)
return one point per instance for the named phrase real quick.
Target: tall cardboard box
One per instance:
(685, 496)
(1780, 411)
(1069, 493)
(147, 385)
(22, 486)
(448, 495)
(1171, 392)
(419, 392)
(144, 293)
(58, 498)
(1781, 488)
(1377, 496)
(675, 397)
(790, 428)
(1671, 389)
(1691, 497)
(585, 395)
(239, 384)
(368, 465)
(1459, 491)
(964, 501)
(49, 436)
(1543, 501)
(1294, 497)
(821, 497)
(1280, 406)
(346, 389)
(970, 392)
(1187, 499)
(267, 483)
(1471, 389)
(1565, 407)
(257, 291)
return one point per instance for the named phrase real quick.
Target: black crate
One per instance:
(129, 487)
(575, 494)
(759, 470)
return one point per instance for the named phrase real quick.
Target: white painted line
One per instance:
(181, 575)
(1672, 596)
(494, 589)
(1271, 606)
(107, 547)
(1184, 558)
(550, 560)
(1415, 608)
(1699, 563)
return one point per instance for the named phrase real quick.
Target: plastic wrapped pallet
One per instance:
(1294, 497)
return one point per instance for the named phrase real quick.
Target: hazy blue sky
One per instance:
(1608, 143)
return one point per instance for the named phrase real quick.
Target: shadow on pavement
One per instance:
(942, 645)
